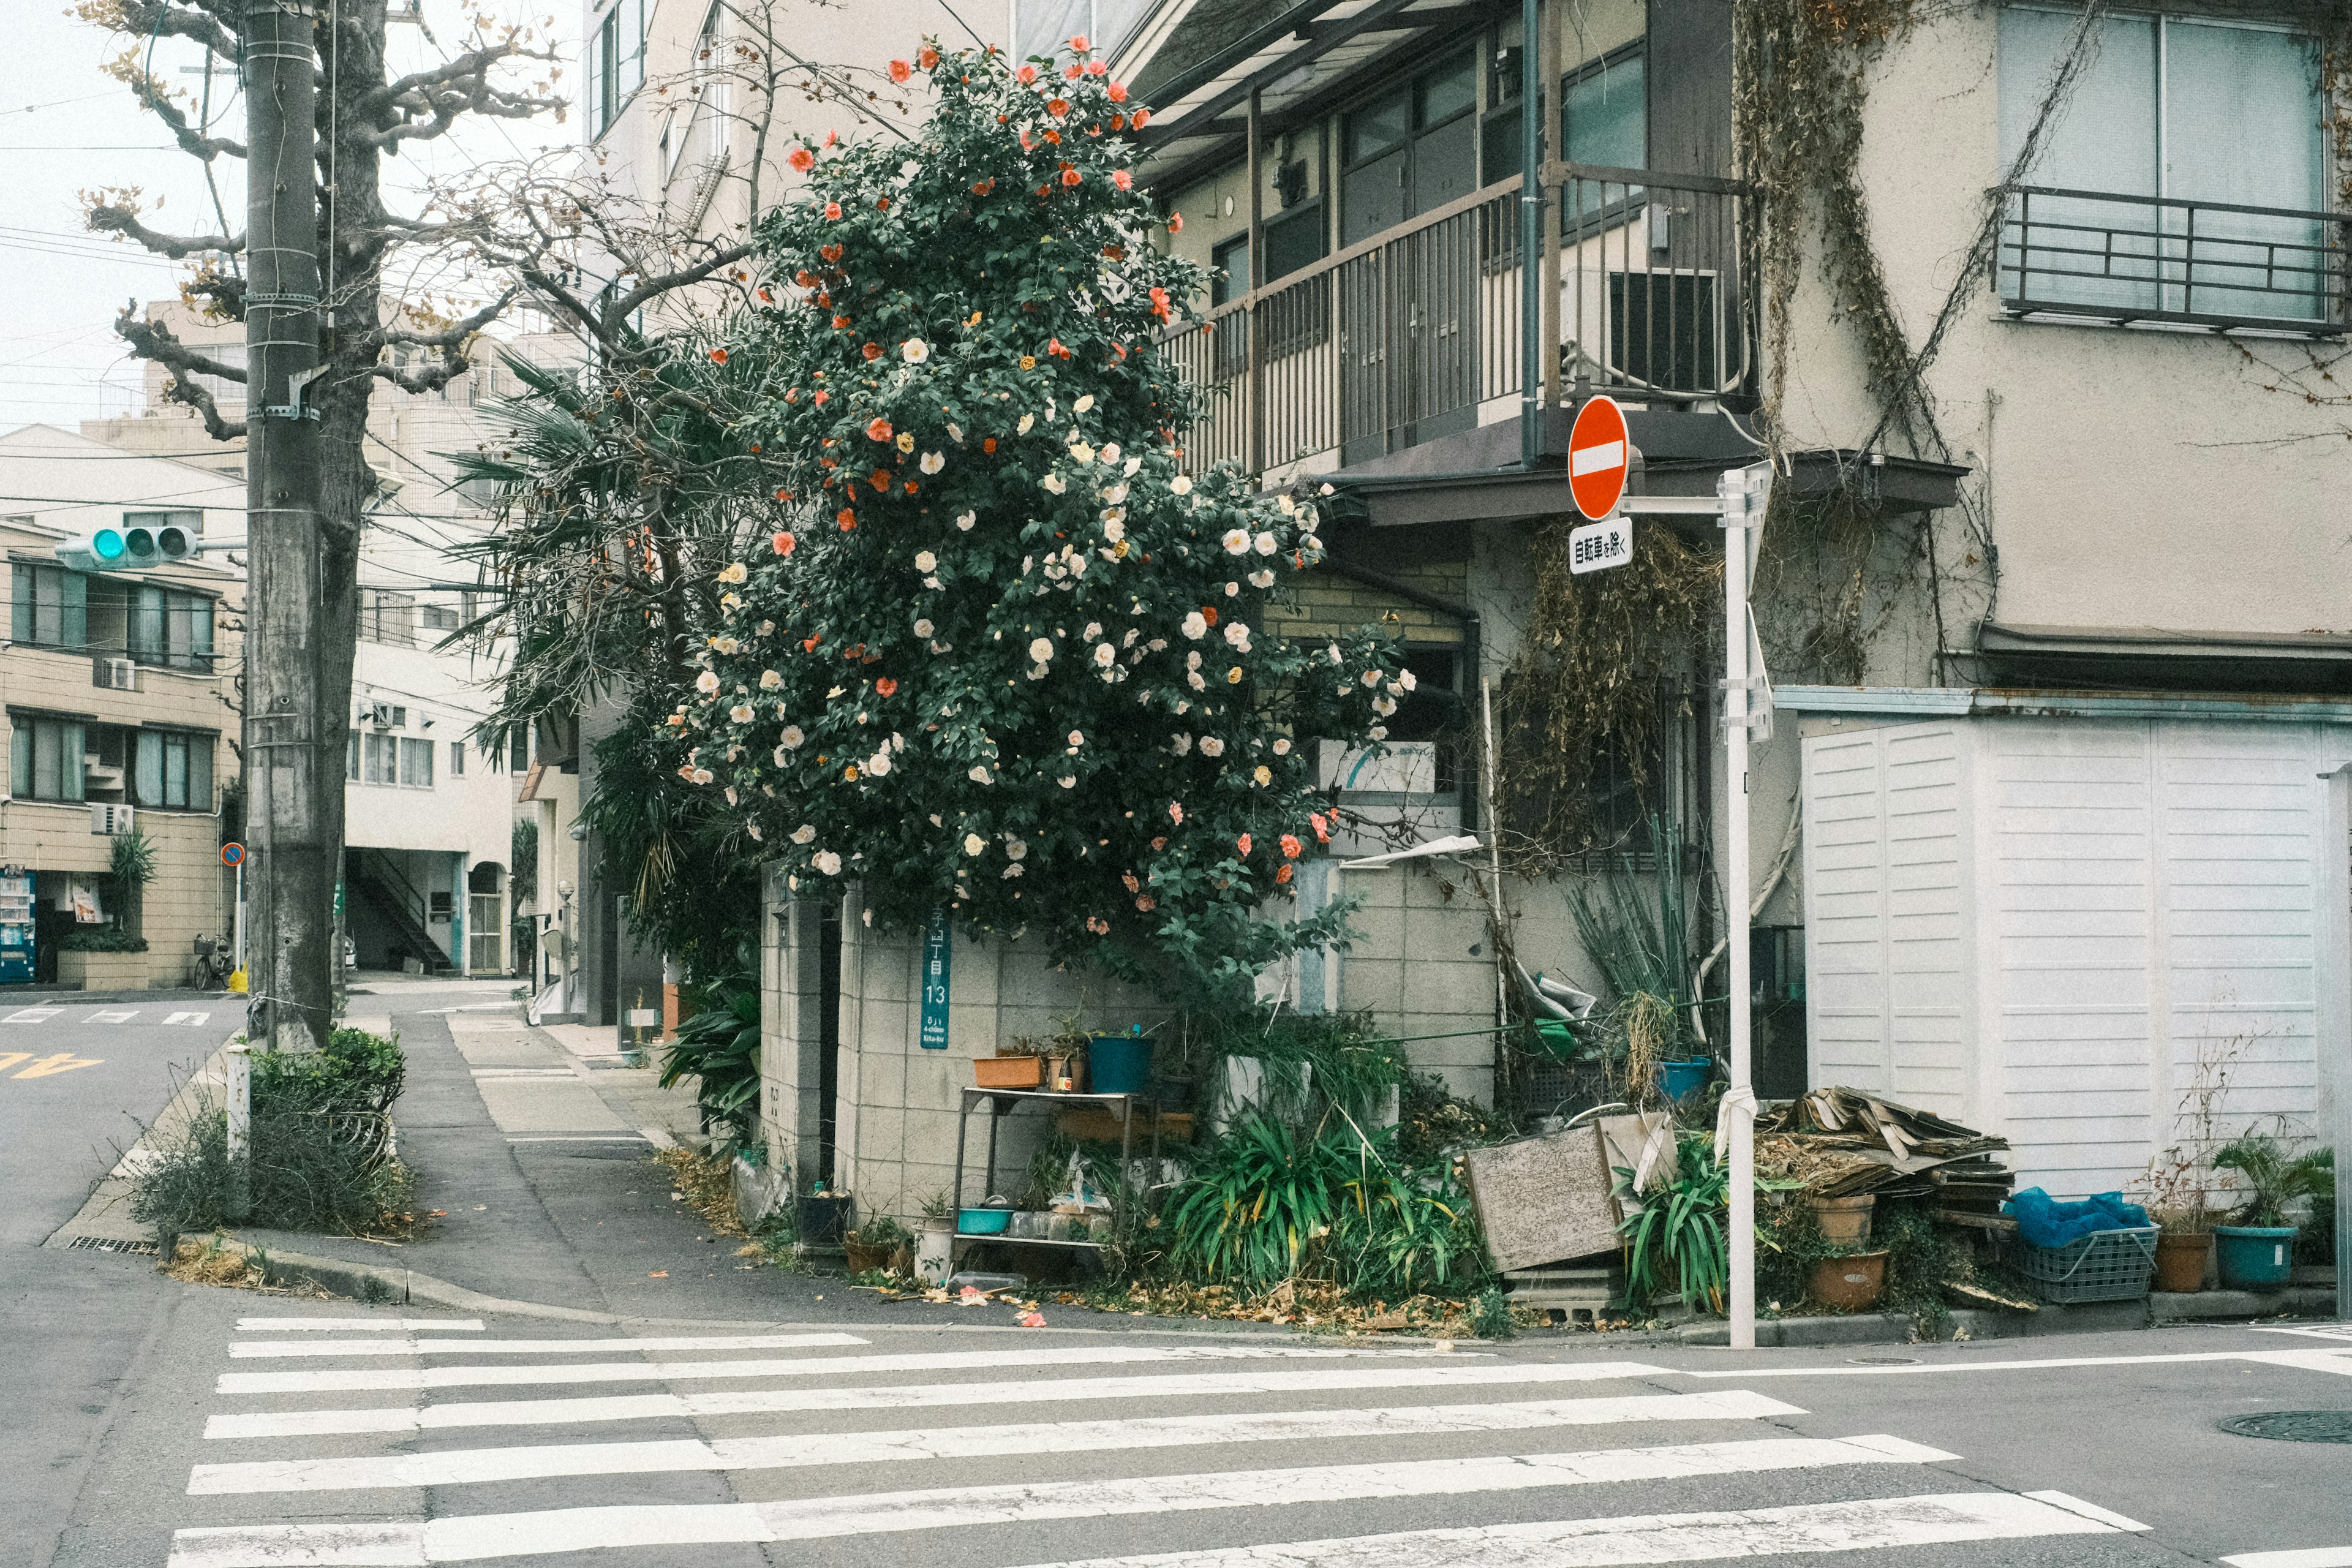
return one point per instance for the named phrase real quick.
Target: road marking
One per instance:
(457, 1466)
(64, 1061)
(258, 1348)
(112, 1015)
(525, 1072)
(2341, 1332)
(2338, 1362)
(2311, 1557)
(415, 1378)
(581, 1138)
(1875, 1523)
(1447, 1372)
(353, 1325)
(32, 1016)
(10, 1058)
(194, 1020)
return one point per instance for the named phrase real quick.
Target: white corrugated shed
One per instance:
(2036, 925)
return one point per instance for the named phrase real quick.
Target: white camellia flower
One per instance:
(1384, 706)
(769, 680)
(702, 775)
(1104, 655)
(1181, 744)
(1010, 872)
(1406, 680)
(1287, 504)
(973, 844)
(1041, 650)
(1115, 495)
(933, 462)
(914, 351)
(1233, 590)
(965, 520)
(707, 683)
(1083, 403)
(791, 737)
(1055, 484)
(1114, 531)
(826, 861)
(1238, 638)
(932, 583)
(727, 645)
(1282, 747)
(1370, 678)
(1197, 681)
(1110, 452)
(1379, 731)
(1094, 630)
(1134, 467)
(1082, 453)
(1237, 541)
(803, 834)
(1267, 545)
(733, 572)
(1332, 653)
(1195, 627)
(955, 434)
(1067, 781)
(1261, 579)
(1015, 848)
(1028, 422)
(926, 562)
(979, 774)
(1193, 660)
(1211, 747)
(1312, 542)
(741, 713)
(879, 763)
(767, 627)
(1180, 485)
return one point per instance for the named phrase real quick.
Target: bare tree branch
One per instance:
(153, 340)
(120, 217)
(208, 22)
(453, 335)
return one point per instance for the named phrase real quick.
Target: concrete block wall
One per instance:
(1330, 605)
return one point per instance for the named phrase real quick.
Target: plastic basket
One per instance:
(2105, 1266)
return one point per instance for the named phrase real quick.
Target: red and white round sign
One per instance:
(1598, 456)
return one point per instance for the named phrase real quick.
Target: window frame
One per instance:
(194, 748)
(25, 762)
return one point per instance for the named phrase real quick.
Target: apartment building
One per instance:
(2051, 824)
(122, 721)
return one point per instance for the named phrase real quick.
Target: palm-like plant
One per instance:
(2276, 1177)
(720, 1047)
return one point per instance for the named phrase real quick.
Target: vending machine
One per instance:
(16, 926)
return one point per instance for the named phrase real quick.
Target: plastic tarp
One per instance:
(2044, 1221)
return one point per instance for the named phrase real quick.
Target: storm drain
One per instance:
(108, 1244)
(2294, 1425)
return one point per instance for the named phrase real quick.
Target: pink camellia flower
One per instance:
(833, 138)
(783, 544)
(1176, 812)
(1096, 67)
(1118, 93)
(833, 211)
(1282, 875)
(1123, 180)
(1243, 844)
(1069, 177)
(1290, 846)
(1140, 118)
(900, 70)
(1072, 74)
(1322, 826)
(801, 159)
(1025, 75)
(1078, 43)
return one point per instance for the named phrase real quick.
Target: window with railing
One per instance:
(2185, 178)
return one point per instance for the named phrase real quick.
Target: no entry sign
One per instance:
(1598, 453)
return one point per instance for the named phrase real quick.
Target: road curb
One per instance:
(389, 1285)
(1863, 1329)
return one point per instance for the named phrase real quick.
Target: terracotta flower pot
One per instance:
(1008, 1072)
(1845, 1222)
(864, 1258)
(1848, 1284)
(2180, 1257)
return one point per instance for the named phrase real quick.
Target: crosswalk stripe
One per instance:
(469, 1466)
(1447, 1372)
(358, 1324)
(255, 1349)
(416, 1378)
(1875, 1523)
(2308, 1557)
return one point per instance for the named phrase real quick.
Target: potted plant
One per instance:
(2180, 1188)
(1121, 1064)
(2257, 1249)
(1849, 1282)
(1017, 1066)
(1844, 1222)
(935, 1249)
(876, 1245)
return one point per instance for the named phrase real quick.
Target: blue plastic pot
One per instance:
(1685, 1077)
(982, 1221)
(1118, 1063)
(2254, 1256)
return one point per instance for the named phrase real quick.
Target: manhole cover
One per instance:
(2294, 1425)
(1882, 1361)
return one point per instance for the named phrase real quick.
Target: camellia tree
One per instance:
(990, 649)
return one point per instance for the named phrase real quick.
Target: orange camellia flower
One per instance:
(1243, 844)
(900, 70)
(846, 518)
(881, 481)
(833, 211)
(808, 644)
(981, 187)
(840, 323)
(928, 59)
(988, 443)
(1071, 74)
(883, 206)
(1146, 903)
(831, 252)
(1123, 180)
(1119, 121)
(1069, 176)
(800, 160)
(782, 541)
(1057, 107)
(1118, 93)
(1290, 846)
(821, 399)
(872, 351)
(887, 686)
(1283, 873)
(1054, 136)
(1209, 614)
(1140, 118)
(1078, 42)
(1025, 75)
(718, 356)
(878, 430)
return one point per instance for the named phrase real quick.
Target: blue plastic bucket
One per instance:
(1685, 1077)
(2254, 1256)
(1118, 1063)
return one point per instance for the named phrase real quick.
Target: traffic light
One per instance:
(130, 547)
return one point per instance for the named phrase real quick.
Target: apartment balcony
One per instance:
(1414, 334)
(2130, 260)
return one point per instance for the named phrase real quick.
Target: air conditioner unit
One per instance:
(109, 818)
(114, 674)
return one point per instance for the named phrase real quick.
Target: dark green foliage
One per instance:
(2276, 1180)
(1328, 1058)
(1676, 1243)
(101, 938)
(720, 1049)
(357, 1071)
(1490, 1315)
(691, 874)
(1270, 1202)
(309, 1170)
(523, 854)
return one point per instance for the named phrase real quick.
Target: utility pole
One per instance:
(291, 829)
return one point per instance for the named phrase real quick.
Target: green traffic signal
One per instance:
(110, 549)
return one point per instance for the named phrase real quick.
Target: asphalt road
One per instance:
(262, 1434)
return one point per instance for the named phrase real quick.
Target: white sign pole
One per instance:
(1734, 871)
(240, 915)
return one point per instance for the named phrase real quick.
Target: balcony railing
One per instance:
(1414, 333)
(2124, 258)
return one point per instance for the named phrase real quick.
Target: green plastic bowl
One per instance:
(982, 1222)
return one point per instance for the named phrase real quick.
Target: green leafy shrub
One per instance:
(329, 1172)
(356, 1072)
(719, 1047)
(2276, 1180)
(101, 938)
(1676, 1242)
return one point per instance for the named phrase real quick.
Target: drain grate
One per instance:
(108, 1244)
(1882, 1361)
(2294, 1425)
